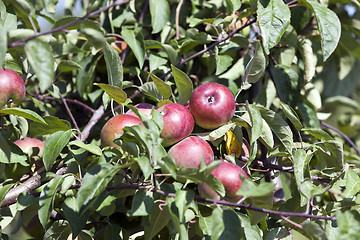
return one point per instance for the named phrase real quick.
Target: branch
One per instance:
(61, 28)
(347, 139)
(93, 120)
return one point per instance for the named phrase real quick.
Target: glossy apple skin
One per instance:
(12, 87)
(212, 105)
(145, 108)
(28, 143)
(178, 123)
(190, 151)
(229, 175)
(114, 127)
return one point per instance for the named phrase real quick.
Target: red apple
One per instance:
(178, 123)
(190, 151)
(114, 128)
(212, 105)
(12, 87)
(145, 108)
(28, 143)
(229, 175)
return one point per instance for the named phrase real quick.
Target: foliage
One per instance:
(293, 67)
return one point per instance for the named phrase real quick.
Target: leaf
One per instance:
(301, 166)
(42, 61)
(255, 68)
(145, 166)
(46, 200)
(164, 89)
(70, 19)
(113, 66)
(68, 66)
(280, 128)
(265, 202)
(318, 133)
(3, 44)
(160, 12)
(5, 149)
(348, 224)
(291, 115)
(352, 185)
(52, 124)
(273, 18)
(53, 146)
(225, 224)
(12, 154)
(250, 189)
(184, 85)
(60, 229)
(142, 204)
(252, 231)
(183, 199)
(85, 75)
(256, 121)
(309, 58)
(328, 24)
(222, 62)
(94, 183)
(95, 37)
(25, 113)
(158, 219)
(4, 190)
(77, 222)
(135, 40)
(88, 147)
(114, 92)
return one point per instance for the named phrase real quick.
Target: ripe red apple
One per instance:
(178, 123)
(28, 143)
(212, 105)
(12, 87)
(114, 128)
(229, 175)
(145, 108)
(190, 151)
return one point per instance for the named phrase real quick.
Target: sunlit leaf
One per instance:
(53, 146)
(184, 85)
(160, 12)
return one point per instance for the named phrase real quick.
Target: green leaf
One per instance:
(142, 204)
(310, 60)
(184, 85)
(250, 189)
(114, 92)
(318, 133)
(52, 124)
(4, 148)
(145, 166)
(352, 185)
(77, 222)
(3, 44)
(183, 200)
(156, 61)
(113, 66)
(222, 62)
(60, 229)
(225, 224)
(68, 66)
(348, 224)
(12, 154)
(291, 115)
(273, 18)
(328, 24)
(53, 146)
(42, 61)
(85, 75)
(46, 200)
(88, 147)
(158, 219)
(135, 40)
(257, 121)
(70, 19)
(337, 152)
(25, 113)
(255, 68)
(94, 183)
(95, 37)
(4, 190)
(164, 89)
(280, 128)
(160, 12)
(252, 231)
(301, 166)
(265, 202)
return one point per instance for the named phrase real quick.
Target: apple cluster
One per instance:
(211, 105)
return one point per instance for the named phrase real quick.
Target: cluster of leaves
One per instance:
(292, 66)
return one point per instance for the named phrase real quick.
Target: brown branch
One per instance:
(63, 27)
(92, 122)
(177, 16)
(70, 114)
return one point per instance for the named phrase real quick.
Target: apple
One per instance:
(12, 87)
(212, 105)
(114, 128)
(190, 151)
(28, 143)
(178, 123)
(145, 108)
(229, 175)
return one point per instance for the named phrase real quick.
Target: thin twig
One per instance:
(93, 120)
(177, 16)
(63, 27)
(70, 114)
(347, 139)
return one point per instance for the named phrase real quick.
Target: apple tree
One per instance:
(280, 163)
